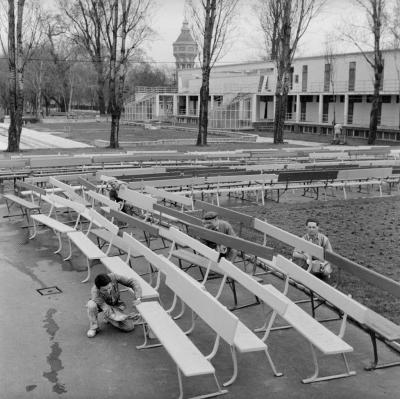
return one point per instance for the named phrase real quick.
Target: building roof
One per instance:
(185, 35)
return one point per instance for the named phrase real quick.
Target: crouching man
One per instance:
(105, 298)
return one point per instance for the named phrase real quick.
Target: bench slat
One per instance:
(117, 265)
(188, 358)
(20, 201)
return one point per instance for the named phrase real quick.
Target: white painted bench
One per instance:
(106, 204)
(171, 197)
(224, 323)
(317, 335)
(367, 318)
(57, 226)
(25, 206)
(188, 359)
(88, 248)
(197, 254)
(68, 190)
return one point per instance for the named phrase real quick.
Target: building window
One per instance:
(352, 76)
(304, 78)
(291, 78)
(327, 77)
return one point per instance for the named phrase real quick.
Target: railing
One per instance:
(361, 86)
(158, 89)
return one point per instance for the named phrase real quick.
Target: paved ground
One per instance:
(44, 351)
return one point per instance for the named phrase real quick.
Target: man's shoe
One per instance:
(92, 333)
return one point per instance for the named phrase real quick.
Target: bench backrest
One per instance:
(237, 243)
(225, 212)
(356, 174)
(103, 222)
(188, 182)
(279, 304)
(131, 171)
(134, 222)
(67, 189)
(32, 187)
(368, 275)
(212, 312)
(303, 175)
(87, 184)
(180, 199)
(75, 206)
(289, 238)
(142, 250)
(181, 216)
(343, 302)
(102, 199)
(12, 163)
(180, 238)
(59, 161)
(144, 202)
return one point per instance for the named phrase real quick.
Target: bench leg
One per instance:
(375, 363)
(88, 269)
(34, 230)
(70, 250)
(145, 345)
(208, 395)
(58, 250)
(315, 378)
(235, 368)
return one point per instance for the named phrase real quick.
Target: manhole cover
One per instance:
(49, 291)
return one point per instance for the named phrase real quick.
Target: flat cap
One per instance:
(210, 215)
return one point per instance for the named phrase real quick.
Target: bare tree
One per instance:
(124, 30)
(212, 23)
(269, 16)
(286, 21)
(362, 36)
(19, 52)
(330, 70)
(87, 19)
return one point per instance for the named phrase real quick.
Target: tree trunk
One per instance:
(203, 116)
(112, 84)
(283, 66)
(100, 85)
(16, 83)
(205, 82)
(373, 121)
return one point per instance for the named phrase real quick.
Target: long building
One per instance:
(323, 90)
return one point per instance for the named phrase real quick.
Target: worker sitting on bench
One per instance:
(320, 268)
(105, 297)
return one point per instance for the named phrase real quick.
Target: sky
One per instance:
(169, 15)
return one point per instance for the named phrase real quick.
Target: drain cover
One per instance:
(49, 291)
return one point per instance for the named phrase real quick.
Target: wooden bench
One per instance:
(176, 199)
(68, 190)
(106, 204)
(179, 217)
(25, 206)
(59, 228)
(369, 320)
(317, 335)
(238, 217)
(88, 248)
(224, 323)
(149, 230)
(199, 255)
(379, 327)
(188, 359)
(250, 251)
